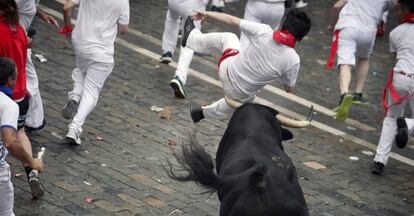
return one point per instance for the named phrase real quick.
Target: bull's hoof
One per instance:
(196, 112)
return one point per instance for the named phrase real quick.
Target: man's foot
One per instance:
(30, 130)
(343, 108)
(35, 185)
(401, 138)
(178, 87)
(377, 168)
(216, 9)
(166, 58)
(188, 26)
(70, 110)
(360, 99)
(301, 4)
(73, 136)
(196, 112)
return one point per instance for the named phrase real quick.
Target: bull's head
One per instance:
(288, 122)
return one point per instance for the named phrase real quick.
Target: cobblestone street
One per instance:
(119, 168)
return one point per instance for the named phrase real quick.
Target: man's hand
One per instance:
(199, 15)
(66, 30)
(37, 164)
(29, 42)
(289, 89)
(330, 29)
(47, 18)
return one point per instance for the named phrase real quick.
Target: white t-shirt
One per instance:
(363, 14)
(402, 42)
(27, 11)
(9, 114)
(97, 26)
(263, 61)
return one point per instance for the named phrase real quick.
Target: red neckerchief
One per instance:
(284, 37)
(409, 18)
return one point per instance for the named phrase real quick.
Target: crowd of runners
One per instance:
(264, 53)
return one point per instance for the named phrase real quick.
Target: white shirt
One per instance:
(27, 11)
(97, 26)
(9, 114)
(402, 42)
(363, 14)
(263, 61)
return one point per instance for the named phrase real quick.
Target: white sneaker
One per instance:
(73, 136)
(301, 4)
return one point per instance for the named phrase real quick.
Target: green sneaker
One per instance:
(343, 108)
(360, 99)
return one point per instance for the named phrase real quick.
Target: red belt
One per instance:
(397, 98)
(334, 49)
(227, 53)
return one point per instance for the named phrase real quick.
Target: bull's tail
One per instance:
(199, 165)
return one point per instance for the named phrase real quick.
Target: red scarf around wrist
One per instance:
(409, 18)
(284, 37)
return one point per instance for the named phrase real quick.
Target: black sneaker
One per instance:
(166, 58)
(188, 26)
(401, 138)
(70, 110)
(377, 168)
(216, 9)
(30, 130)
(196, 112)
(178, 87)
(360, 99)
(35, 185)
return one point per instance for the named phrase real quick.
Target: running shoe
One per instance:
(196, 112)
(188, 26)
(70, 109)
(343, 109)
(166, 58)
(73, 136)
(377, 168)
(360, 99)
(301, 4)
(401, 138)
(178, 87)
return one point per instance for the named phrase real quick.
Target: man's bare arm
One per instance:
(46, 17)
(16, 149)
(336, 9)
(67, 12)
(221, 17)
(122, 28)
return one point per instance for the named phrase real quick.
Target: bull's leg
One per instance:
(212, 43)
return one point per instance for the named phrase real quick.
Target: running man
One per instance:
(35, 120)
(9, 114)
(269, 12)
(93, 39)
(176, 10)
(400, 86)
(270, 55)
(355, 33)
(14, 44)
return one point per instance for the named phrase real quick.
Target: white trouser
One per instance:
(404, 85)
(6, 192)
(262, 12)
(178, 9)
(35, 114)
(89, 77)
(216, 43)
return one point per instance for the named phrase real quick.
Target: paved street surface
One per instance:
(118, 169)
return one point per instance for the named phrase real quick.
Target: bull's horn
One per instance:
(288, 122)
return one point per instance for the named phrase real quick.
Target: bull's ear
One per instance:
(286, 134)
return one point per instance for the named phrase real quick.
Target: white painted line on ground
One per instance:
(282, 110)
(272, 89)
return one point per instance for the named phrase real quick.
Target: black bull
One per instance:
(254, 176)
